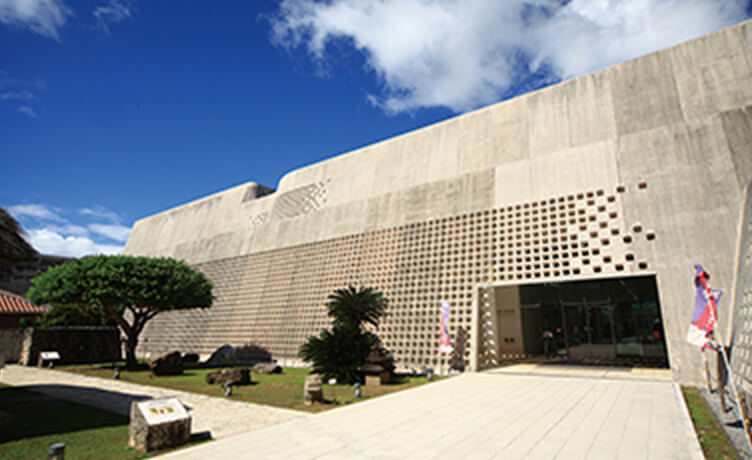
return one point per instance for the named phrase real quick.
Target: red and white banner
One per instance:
(446, 344)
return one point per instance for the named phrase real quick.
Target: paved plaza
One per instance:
(526, 411)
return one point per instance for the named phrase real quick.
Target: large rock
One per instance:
(190, 358)
(222, 356)
(312, 391)
(169, 364)
(235, 376)
(267, 368)
(158, 424)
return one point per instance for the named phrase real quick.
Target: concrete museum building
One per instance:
(565, 222)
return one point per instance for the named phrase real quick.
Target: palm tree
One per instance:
(13, 246)
(340, 352)
(353, 307)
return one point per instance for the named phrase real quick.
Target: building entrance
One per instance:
(606, 321)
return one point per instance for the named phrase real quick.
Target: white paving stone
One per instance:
(488, 415)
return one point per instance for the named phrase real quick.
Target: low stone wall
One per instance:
(10, 344)
(76, 344)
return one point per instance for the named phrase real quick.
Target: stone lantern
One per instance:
(378, 367)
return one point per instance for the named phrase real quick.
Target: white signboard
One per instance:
(157, 411)
(49, 355)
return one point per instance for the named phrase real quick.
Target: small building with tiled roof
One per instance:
(13, 308)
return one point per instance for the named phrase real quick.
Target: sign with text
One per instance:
(158, 411)
(49, 355)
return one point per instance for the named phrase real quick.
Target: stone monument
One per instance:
(312, 391)
(222, 356)
(234, 376)
(267, 368)
(158, 424)
(378, 367)
(169, 364)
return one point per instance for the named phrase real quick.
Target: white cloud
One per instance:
(47, 241)
(68, 229)
(113, 12)
(52, 233)
(463, 54)
(39, 211)
(26, 110)
(100, 212)
(114, 232)
(21, 95)
(44, 17)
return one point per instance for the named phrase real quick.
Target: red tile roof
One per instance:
(13, 304)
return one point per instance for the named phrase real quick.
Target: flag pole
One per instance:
(708, 382)
(745, 422)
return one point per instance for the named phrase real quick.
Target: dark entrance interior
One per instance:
(606, 321)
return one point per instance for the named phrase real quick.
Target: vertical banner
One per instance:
(705, 312)
(446, 344)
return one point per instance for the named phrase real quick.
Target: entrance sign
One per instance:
(445, 344)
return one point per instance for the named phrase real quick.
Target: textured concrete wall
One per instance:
(741, 357)
(638, 168)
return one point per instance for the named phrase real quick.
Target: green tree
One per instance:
(356, 306)
(75, 315)
(340, 351)
(132, 290)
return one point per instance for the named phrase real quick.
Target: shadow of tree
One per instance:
(34, 412)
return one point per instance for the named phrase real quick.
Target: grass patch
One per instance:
(715, 444)
(40, 421)
(279, 390)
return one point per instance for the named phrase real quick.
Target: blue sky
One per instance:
(114, 110)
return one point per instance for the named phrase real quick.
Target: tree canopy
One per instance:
(13, 246)
(130, 289)
(351, 306)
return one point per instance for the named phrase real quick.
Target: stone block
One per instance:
(169, 364)
(235, 376)
(382, 378)
(267, 368)
(158, 424)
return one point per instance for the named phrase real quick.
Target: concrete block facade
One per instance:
(640, 168)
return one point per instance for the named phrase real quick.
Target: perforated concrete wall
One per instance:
(622, 171)
(741, 356)
(417, 265)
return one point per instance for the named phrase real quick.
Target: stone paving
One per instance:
(219, 416)
(526, 411)
(511, 413)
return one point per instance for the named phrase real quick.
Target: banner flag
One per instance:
(445, 344)
(705, 314)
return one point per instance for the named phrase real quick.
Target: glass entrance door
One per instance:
(614, 320)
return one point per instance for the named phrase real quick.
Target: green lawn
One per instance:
(715, 444)
(280, 390)
(40, 421)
